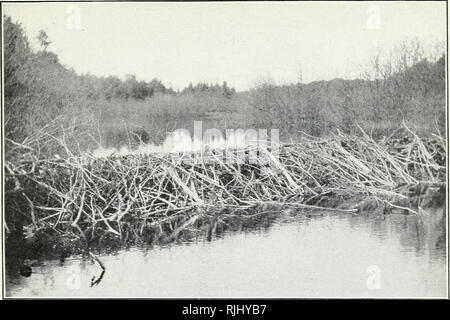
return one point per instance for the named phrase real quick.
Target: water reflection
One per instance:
(183, 141)
(294, 255)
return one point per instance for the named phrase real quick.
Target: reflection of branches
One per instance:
(94, 281)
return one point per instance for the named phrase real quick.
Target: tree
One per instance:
(43, 40)
(17, 53)
(227, 92)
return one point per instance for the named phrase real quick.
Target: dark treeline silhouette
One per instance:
(112, 87)
(44, 100)
(210, 88)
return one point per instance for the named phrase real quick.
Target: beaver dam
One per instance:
(58, 207)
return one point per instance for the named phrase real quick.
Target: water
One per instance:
(183, 141)
(329, 255)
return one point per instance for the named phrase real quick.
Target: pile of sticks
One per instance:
(150, 189)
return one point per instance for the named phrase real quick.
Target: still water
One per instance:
(325, 255)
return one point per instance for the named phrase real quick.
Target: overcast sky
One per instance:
(237, 42)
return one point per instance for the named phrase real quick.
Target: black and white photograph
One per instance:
(224, 150)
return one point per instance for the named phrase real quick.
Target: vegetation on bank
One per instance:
(39, 89)
(108, 110)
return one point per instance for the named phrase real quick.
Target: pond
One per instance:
(298, 255)
(181, 140)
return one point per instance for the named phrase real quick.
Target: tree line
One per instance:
(38, 89)
(406, 87)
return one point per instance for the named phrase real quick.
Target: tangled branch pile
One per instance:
(76, 194)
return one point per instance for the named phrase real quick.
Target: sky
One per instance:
(241, 43)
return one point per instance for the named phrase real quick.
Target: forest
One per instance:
(44, 98)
